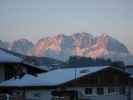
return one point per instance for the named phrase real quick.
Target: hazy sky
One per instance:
(34, 19)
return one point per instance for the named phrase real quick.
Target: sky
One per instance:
(35, 19)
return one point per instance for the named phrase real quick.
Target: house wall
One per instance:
(45, 94)
(2, 73)
(108, 97)
(105, 96)
(38, 94)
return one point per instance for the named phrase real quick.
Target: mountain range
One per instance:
(63, 46)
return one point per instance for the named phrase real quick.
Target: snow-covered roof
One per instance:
(52, 78)
(8, 57)
(129, 70)
(131, 76)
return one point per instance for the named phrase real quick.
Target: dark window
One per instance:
(122, 91)
(100, 91)
(88, 90)
(111, 90)
(36, 94)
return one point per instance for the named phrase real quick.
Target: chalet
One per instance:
(13, 66)
(87, 83)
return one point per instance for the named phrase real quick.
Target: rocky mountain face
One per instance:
(80, 44)
(106, 45)
(61, 46)
(22, 46)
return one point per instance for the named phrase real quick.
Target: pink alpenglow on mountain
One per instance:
(100, 48)
(45, 44)
(61, 46)
(80, 44)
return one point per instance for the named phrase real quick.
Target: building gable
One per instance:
(105, 77)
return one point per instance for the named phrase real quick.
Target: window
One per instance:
(88, 90)
(36, 95)
(57, 98)
(100, 91)
(111, 90)
(122, 91)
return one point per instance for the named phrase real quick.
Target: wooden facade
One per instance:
(10, 70)
(107, 77)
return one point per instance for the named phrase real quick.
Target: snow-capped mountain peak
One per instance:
(80, 44)
(63, 46)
